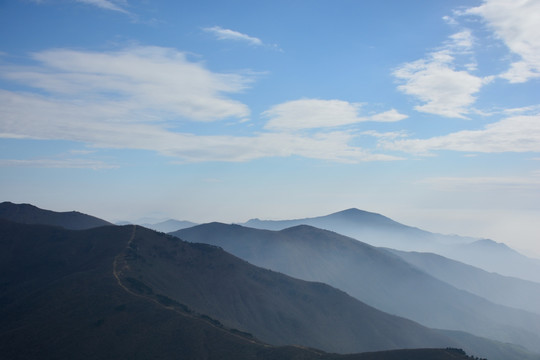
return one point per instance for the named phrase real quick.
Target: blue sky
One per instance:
(425, 111)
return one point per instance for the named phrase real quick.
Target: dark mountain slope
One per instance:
(89, 307)
(60, 300)
(504, 290)
(372, 275)
(29, 214)
(278, 309)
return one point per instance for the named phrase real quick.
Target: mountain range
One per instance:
(372, 275)
(130, 292)
(379, 230)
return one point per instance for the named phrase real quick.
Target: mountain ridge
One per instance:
(372, 275)
(379, 230)
(30, 214)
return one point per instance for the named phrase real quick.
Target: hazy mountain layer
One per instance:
(504, 290)
(29, 214)
(373, 275)
(495, 257)
(378, 230)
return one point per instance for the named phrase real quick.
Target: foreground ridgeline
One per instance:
(30, 214)
(127, 292)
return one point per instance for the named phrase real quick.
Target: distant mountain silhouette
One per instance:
(371, 228)
(170, 225)
(131, 293)
(30, 214)
(504, 290)
(378, 230)
(496, 257)
(372, 275)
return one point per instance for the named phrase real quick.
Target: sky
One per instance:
(425, 111)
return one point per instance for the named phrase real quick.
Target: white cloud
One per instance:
(461, 40)
(449, 20)
(33, 116)
(531, 110)
(107, 4)
(439, 83)
(227, 34)
(141, 98)
(388, 116)
(443, 90)
(391, 135)
(516, 24)
(512, 134)
(137, 83)
(317, 113)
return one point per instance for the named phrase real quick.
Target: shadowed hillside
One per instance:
(29, 214)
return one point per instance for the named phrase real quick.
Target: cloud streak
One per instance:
(317, 113)
(512, 134)
(227, 34)
(32, 116)
(106, 4)
(136, 83)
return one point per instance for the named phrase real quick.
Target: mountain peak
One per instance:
(354, 212)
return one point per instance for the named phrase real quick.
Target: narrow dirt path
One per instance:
(116, 271)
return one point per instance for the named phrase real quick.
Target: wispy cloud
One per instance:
(438, 83)
(140, 83)
(142, 98)
(516, 24)
(512, 134)
(34, 117)
(107, 4)
(227, 34)
(317, 113)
